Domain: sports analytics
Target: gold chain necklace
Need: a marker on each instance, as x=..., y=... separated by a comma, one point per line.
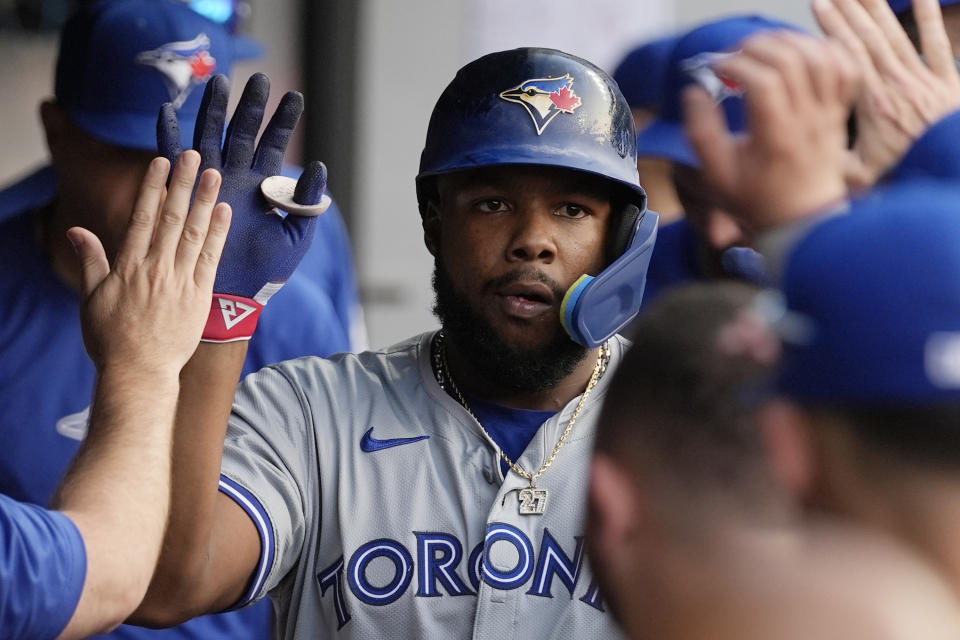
x=533, y=500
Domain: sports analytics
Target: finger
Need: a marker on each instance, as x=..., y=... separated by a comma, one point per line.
x=934, y=41
x=208, y=133
x=769, y=111
x=245, y=123
x=93, y=259
x=886, y=21
x=312, y=184
x=166, y=237
x=849, y=78
x=874, y=39
x=195, y=228
x=206, y=270
x=788, y=61
x=136, y=242
x=824, y=72
x=168, y=133
x=835, y=25
x=707, y=130
x=273, y=143
x=856, y=173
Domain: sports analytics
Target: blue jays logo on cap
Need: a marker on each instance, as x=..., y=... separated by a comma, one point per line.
x=184, y=65
x=544, y=98
x=701, y=68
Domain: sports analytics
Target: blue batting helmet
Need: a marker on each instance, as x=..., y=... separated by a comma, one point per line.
x=544, y=107
x=533, y=107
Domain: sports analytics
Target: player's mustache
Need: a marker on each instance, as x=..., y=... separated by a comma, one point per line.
x=526, y=275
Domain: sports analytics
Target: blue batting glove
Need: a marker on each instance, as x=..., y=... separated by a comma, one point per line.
x=263, y=248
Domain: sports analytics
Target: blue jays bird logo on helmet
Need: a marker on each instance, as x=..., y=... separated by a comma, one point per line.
x=544, y=98
x=184, y=65
x=701, y=68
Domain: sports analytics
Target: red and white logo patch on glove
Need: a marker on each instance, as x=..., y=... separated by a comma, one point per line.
x=231, y=318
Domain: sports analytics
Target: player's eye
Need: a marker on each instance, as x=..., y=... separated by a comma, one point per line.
x=492, y=205
x=570, y=210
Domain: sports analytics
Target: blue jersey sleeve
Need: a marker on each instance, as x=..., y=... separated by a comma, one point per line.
x=934, y=154
x=43, y=564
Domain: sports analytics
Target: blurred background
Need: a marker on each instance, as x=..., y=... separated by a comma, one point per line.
x=371, y=71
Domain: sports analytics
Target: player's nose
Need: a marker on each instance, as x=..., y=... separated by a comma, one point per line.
x=532, y=236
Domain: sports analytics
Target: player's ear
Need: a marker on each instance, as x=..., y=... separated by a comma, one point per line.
x=431, y=227
x=786, y=435
x=56, y=126
x=614, y=505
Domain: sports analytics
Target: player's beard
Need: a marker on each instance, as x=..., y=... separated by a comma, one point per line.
x=524, y=370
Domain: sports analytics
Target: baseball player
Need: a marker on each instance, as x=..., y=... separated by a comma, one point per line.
x=869, y=374
x=692, y=531
x=437, y=487
x=119, y=61
x=83, y=569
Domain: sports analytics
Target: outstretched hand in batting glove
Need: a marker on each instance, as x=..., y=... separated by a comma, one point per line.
x=263, y=248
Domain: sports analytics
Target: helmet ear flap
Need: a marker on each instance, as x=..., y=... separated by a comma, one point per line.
x=621, y=232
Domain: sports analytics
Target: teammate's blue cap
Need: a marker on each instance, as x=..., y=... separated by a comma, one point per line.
x=121, y=59
x=690, y=61
x=642, y=73
x=878, y=292
x=899, y=6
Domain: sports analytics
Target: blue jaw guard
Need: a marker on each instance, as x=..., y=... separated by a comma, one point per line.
x=596, y=307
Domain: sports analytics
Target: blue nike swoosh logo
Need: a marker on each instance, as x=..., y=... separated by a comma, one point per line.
x=369, y=444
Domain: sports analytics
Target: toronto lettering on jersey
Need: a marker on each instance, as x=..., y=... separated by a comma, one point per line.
x=438, y=559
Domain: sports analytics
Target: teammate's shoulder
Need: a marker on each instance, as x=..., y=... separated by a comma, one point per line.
x=35, y=190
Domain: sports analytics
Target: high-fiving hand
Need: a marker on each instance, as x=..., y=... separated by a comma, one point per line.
x=147, y=311
x=903, y=94
x=791, y=162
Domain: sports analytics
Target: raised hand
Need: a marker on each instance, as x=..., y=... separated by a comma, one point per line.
x=146, y=313
x=264, y=248
x=903, y=94
x=792, y=160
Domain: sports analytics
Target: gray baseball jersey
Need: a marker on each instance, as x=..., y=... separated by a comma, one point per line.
x=383, y=513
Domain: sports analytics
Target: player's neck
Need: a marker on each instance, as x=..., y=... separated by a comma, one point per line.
x=472, y=382
x=704, y=587
x=927, y=513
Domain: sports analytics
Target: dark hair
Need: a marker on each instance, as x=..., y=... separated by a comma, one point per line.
x=681, y=408
x=928, y=436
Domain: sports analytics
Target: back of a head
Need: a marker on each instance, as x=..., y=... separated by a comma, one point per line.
x=878, y=289
x=641, y=73
x=681, y=408
x=120, y=60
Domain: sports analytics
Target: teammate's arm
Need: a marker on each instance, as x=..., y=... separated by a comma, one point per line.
x=212, y=547
x=142, y=319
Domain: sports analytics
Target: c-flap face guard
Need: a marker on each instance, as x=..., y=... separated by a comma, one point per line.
x=597, y=307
